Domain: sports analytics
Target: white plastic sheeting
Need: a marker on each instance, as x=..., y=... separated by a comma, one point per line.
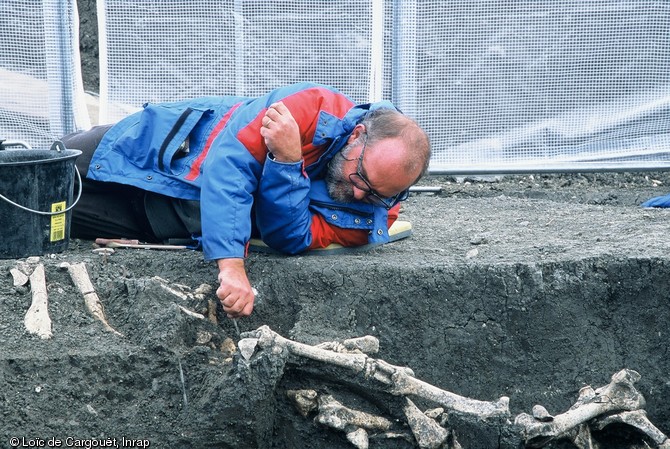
x=500, y=85
x=41, y=92
x=154, y=50
x=507, y=86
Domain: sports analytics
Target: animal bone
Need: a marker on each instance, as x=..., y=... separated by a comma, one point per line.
x=83, y=283
x=618, y=395
x=211, y=311
x=333, y=414
x=175, y=289
x=582, y=438
x=19, y=278
x=304, y=400
x=37, y=320
x=359, y=438
x=247, y=347
x=189, y=312
x=366, y=345
x=427, y=432
x=404, y=385
x=400, y=380
x=637, y=419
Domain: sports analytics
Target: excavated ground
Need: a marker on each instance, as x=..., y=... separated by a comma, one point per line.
x=530, y=287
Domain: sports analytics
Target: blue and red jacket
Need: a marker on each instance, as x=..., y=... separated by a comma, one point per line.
x=210, y=149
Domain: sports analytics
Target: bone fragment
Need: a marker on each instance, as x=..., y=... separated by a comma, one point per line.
x=228, y=347
x=637, y=419
x=359, y=438
x=582, y=438
x=434, y=413
x=19, y=278
x=37, y=320
x=619, y=395
x=103, y=251
x=428, y=434
x=247, y=347
x=189, y=312
x=305, y=401
x=333, y=414
x=80, y=278
x=366, y=345
x=202, y=290
x=203, y=337
x=541, y=414
x=173, y=291
x=400, y=380
x=211, y=311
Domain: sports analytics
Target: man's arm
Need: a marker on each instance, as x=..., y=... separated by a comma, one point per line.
x=233, y=168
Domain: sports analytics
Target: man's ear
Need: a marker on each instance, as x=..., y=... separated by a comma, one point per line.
x=358, y=131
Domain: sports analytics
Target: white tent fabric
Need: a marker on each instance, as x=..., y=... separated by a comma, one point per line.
x=41, y=90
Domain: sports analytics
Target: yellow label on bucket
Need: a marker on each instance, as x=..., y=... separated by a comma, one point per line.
x=57, y=222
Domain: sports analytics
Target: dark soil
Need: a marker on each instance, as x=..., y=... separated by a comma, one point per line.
x=529, y=287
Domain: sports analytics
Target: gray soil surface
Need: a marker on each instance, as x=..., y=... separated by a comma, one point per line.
x=530, y=287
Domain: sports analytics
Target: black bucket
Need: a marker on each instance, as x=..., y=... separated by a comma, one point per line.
x=36, y=199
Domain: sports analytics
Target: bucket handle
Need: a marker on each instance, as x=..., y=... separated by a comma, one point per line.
x=58, y=146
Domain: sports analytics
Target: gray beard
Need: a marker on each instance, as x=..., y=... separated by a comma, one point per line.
x=339, y=187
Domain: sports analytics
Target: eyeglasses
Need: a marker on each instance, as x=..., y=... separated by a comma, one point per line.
x=359, y=181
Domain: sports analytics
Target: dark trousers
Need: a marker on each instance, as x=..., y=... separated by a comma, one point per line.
x=112, y=210
x=105, y=209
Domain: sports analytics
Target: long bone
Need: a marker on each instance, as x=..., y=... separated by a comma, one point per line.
x=399, y=379
x=354, y=422
x=619, y=395
x=333, y=414
x=37, y=320
x=639, y=420
x=82, y=281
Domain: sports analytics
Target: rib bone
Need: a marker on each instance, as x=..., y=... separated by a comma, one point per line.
x=400, y=380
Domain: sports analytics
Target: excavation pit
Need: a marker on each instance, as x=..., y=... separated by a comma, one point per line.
x=530, y=288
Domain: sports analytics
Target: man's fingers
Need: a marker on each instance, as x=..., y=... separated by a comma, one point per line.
x=277, y=111
x=236, y=304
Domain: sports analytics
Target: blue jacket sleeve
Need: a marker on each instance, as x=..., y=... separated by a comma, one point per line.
x=284, y=219
x=230, y=177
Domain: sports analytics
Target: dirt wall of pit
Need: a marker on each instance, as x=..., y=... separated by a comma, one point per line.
x=544, y=307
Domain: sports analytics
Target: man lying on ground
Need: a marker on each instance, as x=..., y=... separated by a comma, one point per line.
x=301, y=167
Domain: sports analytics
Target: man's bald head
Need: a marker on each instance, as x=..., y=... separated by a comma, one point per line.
x=385, y=123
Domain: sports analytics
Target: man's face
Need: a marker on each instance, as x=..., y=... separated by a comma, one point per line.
x=337, y=180
x=373, y=176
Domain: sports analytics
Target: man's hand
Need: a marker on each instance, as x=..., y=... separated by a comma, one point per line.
x=281, y=133
x=234, y=292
